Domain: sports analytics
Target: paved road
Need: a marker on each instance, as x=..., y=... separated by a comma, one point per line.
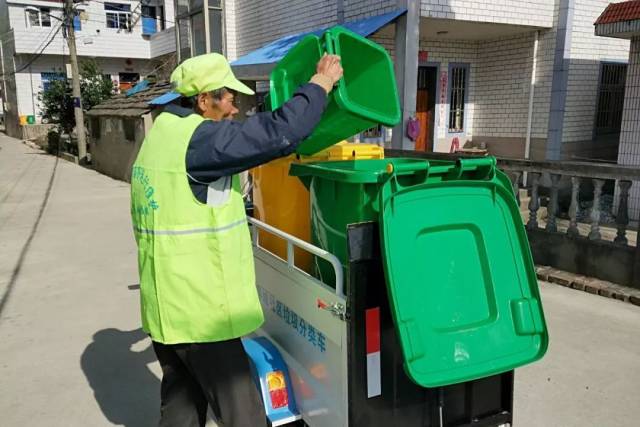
x=72, y=353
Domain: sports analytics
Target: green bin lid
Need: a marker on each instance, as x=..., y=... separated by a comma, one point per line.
x=352, y=107
x=461, y=280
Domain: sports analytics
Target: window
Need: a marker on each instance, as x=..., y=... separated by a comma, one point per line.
x=610, y=98
x=118, y=15
x=95, y=128
x=199, y=27
x=47, y=78
x=184, y=39
x=215, y=29
x=39, y=18
x=77, y=22
x=149, y=23
x=128, y=80
x=457, y=96
x=129, y=128
x=163, y=18
x=198, y=39
x=182, y=7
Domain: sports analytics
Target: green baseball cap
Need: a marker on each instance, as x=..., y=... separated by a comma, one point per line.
x=205, y=73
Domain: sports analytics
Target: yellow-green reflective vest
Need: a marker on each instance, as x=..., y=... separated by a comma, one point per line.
x=197, y=280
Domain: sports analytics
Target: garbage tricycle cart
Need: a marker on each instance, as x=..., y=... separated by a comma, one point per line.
x=428, y=299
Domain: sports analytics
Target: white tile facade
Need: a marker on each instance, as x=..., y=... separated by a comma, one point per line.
x=116, y=51
x=587, y=52
x=503, y=78
x=537, y=13
x=358, y=9
x=258, y=23
x=629, y=150
x=230, y=30
x=94, y=39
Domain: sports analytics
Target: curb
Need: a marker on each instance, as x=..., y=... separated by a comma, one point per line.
x=62, y=155
x=589, y=285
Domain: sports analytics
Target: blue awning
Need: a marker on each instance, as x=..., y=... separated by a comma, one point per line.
x=277, y=49
x=165, y=99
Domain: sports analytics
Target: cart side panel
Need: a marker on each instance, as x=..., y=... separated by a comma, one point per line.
x=312, y=341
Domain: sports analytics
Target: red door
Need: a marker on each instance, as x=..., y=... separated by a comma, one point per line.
x=426, y=106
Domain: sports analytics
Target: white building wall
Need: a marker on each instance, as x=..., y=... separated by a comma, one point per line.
x=230, y=33
x=587, y=53
x=537, y=13
x=359, y=9
x=441, y=54
x=503, y=77
x=29, y=81
x=629, y=151
x=445, y=53
x=162, y=43
x=542, y=85
x=498, y=91
x=258, y=23
x=94, y=39
x=169, y=13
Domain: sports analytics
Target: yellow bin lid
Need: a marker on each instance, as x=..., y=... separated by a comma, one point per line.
x=346, y=151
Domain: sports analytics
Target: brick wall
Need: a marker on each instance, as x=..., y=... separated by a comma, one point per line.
x=587, y=52
x=519, y=12
x=629, y=151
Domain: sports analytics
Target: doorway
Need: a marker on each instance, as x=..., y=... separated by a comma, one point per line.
x=128, y=80
x=426, y=106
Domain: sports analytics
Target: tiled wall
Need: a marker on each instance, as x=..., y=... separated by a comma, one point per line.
x=260, y=22
x=587, y=52
x=518, y=12
x=629, y=151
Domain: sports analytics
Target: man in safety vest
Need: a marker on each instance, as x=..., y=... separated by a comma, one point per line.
x=197, y=284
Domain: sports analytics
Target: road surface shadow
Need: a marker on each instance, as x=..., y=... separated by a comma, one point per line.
x=126, y=390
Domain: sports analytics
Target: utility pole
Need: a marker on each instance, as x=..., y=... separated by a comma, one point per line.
x=69, y=15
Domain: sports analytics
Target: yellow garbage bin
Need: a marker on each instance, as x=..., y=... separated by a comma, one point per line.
x=283, y=202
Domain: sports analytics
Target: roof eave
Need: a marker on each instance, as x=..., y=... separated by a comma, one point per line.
x=620, y=30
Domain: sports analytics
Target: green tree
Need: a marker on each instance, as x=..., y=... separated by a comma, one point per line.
x=57, y=101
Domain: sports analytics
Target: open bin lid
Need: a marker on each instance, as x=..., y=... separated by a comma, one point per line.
x=461, y=280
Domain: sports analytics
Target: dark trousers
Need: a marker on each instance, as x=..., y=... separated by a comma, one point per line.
x=215, y=374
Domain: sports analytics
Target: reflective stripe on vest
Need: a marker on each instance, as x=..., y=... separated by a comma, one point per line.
x=193, y=231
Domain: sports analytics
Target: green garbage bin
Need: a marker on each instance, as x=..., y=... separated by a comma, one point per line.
x=366, y=96
x=459, y=272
